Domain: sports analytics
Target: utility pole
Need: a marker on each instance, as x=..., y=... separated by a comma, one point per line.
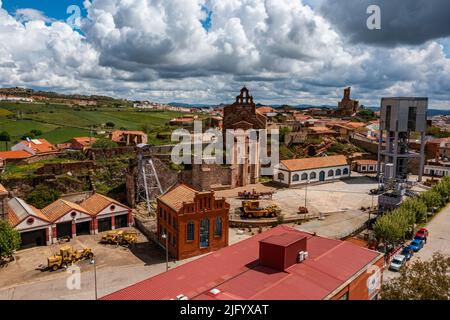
x=95, y=277
x=164, y=236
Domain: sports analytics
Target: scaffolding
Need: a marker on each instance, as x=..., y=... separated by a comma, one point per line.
x=148, y=184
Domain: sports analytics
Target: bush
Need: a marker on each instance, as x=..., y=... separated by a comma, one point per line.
x=9, y=240
x=104, y=144
x=42, y=196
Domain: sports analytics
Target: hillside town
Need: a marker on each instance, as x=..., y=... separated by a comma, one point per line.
x=224, y=159
x=339, y=174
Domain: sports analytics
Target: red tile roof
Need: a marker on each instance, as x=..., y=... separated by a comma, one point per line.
x=366, y=162
x=21, y=154
x=236, y=272
x=98, y=202
x=84, y=141
x=40, y=145
x=175, y=197
x=314, y=163
x=60, y=208
x=3, y=190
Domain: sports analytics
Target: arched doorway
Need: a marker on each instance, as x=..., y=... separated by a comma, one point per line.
x=322, y=175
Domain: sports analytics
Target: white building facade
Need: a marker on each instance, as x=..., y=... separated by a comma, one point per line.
x=296, y=172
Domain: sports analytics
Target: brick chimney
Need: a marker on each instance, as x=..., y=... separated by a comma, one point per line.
x=282, y=251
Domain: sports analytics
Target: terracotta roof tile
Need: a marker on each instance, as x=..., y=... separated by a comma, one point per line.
x=19, y=210
x=97, y=202
x=85, y=141
x=3, y=190
x=175, y=197
x=60, y=208
x=20, y=154
x=314, y=163
x=367, y=162
x=40, y=145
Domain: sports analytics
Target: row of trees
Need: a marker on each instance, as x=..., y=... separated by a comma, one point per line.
x=400, y=224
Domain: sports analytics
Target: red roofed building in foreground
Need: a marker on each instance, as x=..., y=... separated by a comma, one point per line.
x=280, y=264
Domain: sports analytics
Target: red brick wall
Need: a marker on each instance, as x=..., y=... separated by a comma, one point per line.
x=192, y=212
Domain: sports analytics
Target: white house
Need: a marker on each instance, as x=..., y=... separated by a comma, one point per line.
x=366, y=166
x=300, y=171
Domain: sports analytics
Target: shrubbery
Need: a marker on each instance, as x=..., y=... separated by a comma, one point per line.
x=397, y=225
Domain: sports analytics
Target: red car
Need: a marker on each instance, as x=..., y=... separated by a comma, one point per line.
x=422, y=234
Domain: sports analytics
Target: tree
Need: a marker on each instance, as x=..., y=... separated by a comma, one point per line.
x=9, y=240
x=110, y=124
x=422, y=280
x=104, y=144
x=418, y=207
x=432, y=199
x=4, y=136
x=42, y=196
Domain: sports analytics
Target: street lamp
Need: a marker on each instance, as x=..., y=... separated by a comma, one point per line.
x=95, y=277
x=164, y=236
x=306, y=193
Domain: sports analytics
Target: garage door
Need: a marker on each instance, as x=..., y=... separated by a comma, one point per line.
x=104, y=224
x=33, y=239
x=122, y=221
x=64, y=230
x=84, y=228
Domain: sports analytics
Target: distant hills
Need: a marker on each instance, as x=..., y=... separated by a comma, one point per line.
x=54, y=97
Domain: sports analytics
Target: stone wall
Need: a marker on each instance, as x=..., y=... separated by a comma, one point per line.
x=94, y=154
x=208, y=177
x=369, y=146
x=63, y=168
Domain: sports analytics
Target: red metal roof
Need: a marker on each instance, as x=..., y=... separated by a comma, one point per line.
x=236, y=272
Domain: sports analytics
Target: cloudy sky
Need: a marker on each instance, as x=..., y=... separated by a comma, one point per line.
x=203, y=51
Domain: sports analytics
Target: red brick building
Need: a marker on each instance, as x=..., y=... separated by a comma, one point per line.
x=195, y=222
x=280, y=264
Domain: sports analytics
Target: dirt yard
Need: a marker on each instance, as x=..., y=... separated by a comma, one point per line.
x=340, y=196
x=24, y=268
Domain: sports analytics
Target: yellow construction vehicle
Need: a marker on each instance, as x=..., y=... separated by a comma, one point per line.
x=67, y=256
x=119, y=237
x=252, y=209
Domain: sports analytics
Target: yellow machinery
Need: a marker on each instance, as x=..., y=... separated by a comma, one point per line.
x=252, y=209
x=68, y=256
x=120, y=237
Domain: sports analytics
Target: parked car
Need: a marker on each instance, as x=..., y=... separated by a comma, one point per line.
x=423, y=233
x=397, y=262
x=408, y=252
x=416, y=245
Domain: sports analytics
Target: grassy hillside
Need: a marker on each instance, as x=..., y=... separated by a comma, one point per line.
x=60, y=123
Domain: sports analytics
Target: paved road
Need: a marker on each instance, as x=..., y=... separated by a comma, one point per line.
x=439, y=240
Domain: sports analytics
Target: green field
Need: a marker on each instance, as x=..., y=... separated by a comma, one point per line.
x=60, y=123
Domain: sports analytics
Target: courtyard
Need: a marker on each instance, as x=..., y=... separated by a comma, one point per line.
x=321, y=199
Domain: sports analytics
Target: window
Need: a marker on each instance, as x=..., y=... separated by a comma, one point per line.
x=304, y=177
x=412, y=115
x=190, y=231
x=174, y=223
x=344, y=296
x=174, y=243
x=345, y=172
x=370, y=168
x=388, y=118
x=331, y=173
x=218, y=227
x=204, y=233
x=363, y=168
x=313, y=176
x=295, y=177
x=160, y=212
x=165, y=215
x=281, y=176
x=338, y=172
x=170, y=219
